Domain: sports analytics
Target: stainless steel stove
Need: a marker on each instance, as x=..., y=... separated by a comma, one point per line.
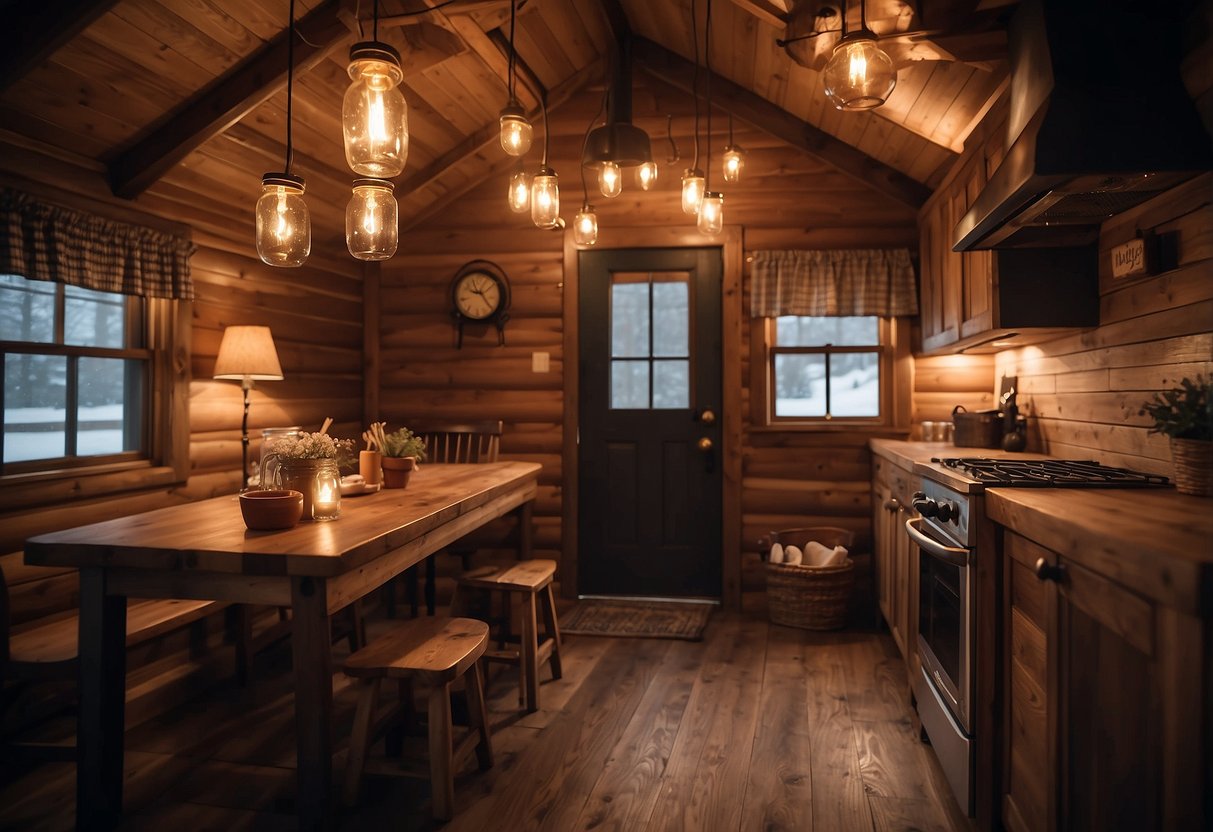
x=950, y=509
x=1048, y=473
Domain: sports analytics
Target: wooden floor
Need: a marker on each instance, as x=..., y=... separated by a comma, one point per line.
x=757, y=727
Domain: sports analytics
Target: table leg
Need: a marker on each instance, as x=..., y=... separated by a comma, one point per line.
x=313, y=667
x=526, y=530
x=102, y=692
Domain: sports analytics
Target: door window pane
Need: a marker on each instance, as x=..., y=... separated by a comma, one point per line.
x=800, y=385
x=671, y=384
x=854, y=384
x=805, y=331
x=27, y=309
x=108, y=414
x=94, y=319
x=35, y=407
x=629, y=385
x=630, y=320
x=671, y=321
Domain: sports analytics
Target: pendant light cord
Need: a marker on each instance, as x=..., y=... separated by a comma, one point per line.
x=707, y=59
x=585, y=191
x=290, y=84
x=695, y=81
x=543, y=101
x=375, y=30
x=509, y=78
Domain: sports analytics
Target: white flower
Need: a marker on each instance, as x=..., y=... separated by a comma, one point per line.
x=312, y=446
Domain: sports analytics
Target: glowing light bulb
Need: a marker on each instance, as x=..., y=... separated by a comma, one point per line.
x=692, y=190
x=520, y=192
x=284, y=228
x=610, y=182
x=545, y=199
x=711, y=213
x=371, y=223
x=374, y=114
x=516, y=131
x=859, y=75
x=585, y=226
x=646, y=175
x=734, y=161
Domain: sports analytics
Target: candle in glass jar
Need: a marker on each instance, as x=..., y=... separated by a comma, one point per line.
x=327, y=500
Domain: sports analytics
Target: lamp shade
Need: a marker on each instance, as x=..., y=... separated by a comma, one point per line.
x=248, y=352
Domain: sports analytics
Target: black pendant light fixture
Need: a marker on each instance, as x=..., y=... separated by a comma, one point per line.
x=618, y=143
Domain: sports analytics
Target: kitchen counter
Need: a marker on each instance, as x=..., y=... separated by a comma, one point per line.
x=1153, y=540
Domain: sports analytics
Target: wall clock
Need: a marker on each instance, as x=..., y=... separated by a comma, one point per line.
x=480, y=293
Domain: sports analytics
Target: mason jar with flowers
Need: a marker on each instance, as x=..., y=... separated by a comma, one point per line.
x=308, y=463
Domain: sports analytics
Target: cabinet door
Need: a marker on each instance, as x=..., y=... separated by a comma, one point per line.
x=978, y=293
x=1028, y=753
x=883, y=516
x=939, y=307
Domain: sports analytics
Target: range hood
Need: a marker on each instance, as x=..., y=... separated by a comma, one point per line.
x=1099, y=122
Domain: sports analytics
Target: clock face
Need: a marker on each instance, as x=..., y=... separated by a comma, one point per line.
x=477, y=296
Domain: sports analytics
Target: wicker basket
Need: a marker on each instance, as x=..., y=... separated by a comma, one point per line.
x=1193, y=466
x=805, y=597
x=976, y=430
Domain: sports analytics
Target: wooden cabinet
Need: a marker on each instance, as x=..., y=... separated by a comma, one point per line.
x=1104, y=723
x=973, y=298
x=895, y=561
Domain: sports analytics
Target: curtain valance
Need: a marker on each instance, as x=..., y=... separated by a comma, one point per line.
x=833, y=283
x=40, y=241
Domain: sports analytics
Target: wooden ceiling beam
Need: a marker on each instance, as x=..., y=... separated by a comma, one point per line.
x=767, y=11
x=228, y=99
x=677, y=71
x=487, y=49
x=38, y=28
x=482, y=141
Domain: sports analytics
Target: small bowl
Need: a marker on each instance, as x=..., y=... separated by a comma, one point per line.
x=266, y=510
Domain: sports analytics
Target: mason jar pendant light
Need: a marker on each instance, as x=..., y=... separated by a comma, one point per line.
x=374, y=114
x=734, y=158
x=711, y=206
x=693, y=183
x=545, y=191
x=371, y=226
x=610, y=180
x=859, y=75
x=520, y=192
x=284, y=227
x=646, y=175
x=692, y=190
x=516, y=131
x=585, y=226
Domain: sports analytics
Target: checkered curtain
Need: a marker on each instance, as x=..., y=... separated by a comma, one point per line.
x=39, y=241
x=833, y=283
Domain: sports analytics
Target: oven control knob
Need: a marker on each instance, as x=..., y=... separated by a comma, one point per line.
x=946, y=512
x=924, y=506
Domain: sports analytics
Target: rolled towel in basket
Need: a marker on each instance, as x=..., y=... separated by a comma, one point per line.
x=817, y=555
x=776, y=555
x=792, y=555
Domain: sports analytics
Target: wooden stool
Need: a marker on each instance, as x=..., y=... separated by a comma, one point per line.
x=530, y=579
x=432, y=652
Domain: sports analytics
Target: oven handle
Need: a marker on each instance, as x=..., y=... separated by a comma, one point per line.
x=948, y=554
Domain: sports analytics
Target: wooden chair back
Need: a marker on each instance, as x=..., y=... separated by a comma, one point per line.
x=459, y=442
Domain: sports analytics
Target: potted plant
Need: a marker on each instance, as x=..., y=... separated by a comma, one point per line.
x=402, y=450
x=1185, y=414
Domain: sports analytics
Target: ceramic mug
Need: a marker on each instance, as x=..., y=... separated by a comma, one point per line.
x=370, y=466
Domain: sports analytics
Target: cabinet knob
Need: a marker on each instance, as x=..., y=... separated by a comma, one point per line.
x=1046, y=571
x=893, y=505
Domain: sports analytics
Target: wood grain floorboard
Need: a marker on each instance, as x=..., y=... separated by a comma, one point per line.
x=758, y=727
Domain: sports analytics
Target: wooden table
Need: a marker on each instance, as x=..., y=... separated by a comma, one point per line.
x=202, y=550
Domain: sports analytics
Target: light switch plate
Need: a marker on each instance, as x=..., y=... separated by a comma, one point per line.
x=540, y=362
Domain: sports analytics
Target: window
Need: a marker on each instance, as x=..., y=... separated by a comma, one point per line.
x=650, y=341
x=80, y=394
x=822, y=370
x=75, y=372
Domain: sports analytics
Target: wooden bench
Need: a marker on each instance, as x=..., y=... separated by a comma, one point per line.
x=39, y=630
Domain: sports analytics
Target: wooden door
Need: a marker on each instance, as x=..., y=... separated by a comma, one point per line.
x=650, y=422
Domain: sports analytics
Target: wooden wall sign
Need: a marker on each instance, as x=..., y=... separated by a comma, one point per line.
x=1129, y=259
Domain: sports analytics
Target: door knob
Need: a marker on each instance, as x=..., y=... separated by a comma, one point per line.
x=707, y=416
x=705, y=443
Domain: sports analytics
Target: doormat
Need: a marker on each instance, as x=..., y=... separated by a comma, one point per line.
x=637, y=619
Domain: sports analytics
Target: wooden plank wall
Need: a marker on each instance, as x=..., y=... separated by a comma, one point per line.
x=1083, y=392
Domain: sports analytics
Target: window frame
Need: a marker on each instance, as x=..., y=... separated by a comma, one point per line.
x=166, y=326
x=894, y=357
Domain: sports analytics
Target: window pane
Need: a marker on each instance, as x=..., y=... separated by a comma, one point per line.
x=27, y=309
x=854, y=384
x=94, y=319
x=35, y=407
x=671, y=321
x=629, y=385
x=800, y=385
x=109, y=418
x=671, y=384
x=804, y=331
x=630, y=321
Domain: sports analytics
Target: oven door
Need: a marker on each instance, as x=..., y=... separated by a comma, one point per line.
x=945, y=619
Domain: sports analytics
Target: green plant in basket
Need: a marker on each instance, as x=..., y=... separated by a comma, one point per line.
x=403, y=442
x=1184, y=412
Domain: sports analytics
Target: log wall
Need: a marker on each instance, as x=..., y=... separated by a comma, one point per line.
x=1083, y=393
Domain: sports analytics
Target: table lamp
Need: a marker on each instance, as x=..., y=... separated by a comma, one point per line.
x=247, y=353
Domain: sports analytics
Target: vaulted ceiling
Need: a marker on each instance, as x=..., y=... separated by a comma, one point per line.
x=180, y=105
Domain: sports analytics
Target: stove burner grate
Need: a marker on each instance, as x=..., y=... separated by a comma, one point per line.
x=1049, y=473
